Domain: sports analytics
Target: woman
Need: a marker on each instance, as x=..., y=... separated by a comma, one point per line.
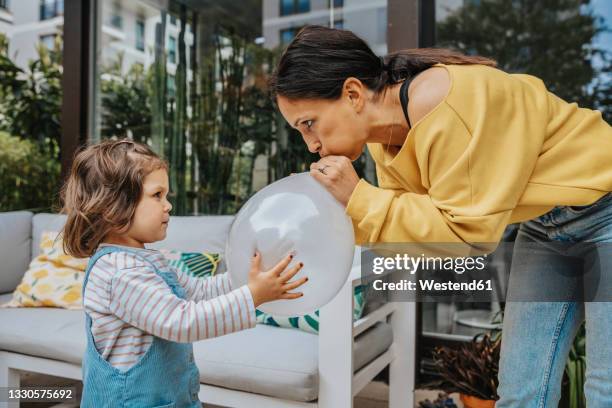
x=462, y=149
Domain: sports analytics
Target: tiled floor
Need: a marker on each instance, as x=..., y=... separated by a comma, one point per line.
x=374, y=395
x=31, y=380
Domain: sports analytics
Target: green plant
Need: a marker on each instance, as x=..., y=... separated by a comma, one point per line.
x=30, y=103
x=177, y=139
x=212, y=119
x=159, y=89
x=232, y=121
x=552, y=40
x=126, y=109
x=28, y=178
x=470, y=369
x=575, y=370
x=463, y=365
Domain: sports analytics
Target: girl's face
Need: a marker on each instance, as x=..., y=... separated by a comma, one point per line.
x=152, y=213
x=328, y=127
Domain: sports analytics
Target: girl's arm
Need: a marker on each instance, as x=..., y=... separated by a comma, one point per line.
x=142, y=298
x=199, y=289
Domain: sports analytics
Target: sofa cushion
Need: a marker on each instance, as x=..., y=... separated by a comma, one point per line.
x=198, y=264
x=310, y=322
x=58, y=334
x=53, y=278
x=196, y=233
x=241, y=361
x=41, y=223
x=189, y=234
x=15, y=247
x=276, y=361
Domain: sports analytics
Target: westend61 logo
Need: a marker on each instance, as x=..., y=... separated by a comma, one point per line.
x=480, y=272
x=412, y=264
x=427, y=272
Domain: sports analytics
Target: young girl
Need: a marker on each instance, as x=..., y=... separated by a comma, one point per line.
x=142, y=314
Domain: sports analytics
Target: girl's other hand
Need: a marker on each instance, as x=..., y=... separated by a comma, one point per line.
x=273, y=284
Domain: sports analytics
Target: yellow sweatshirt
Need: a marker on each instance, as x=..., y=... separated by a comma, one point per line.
x=498, y=149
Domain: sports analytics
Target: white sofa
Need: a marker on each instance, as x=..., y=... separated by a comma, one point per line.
x=263, y=367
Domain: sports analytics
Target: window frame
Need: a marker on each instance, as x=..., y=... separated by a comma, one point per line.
x=49, y=9
x=140, y=34
x=172, y=54
x=294, y=30
x=79, y=38
x=43, y=37
x=295, y=8
x=116, y=16
x=336, y=3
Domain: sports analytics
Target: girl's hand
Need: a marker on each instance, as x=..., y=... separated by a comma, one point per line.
x=337, y=175
x=273, y=284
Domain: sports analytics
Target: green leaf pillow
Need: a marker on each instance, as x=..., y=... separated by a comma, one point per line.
x=309, y=322
x=199, y=264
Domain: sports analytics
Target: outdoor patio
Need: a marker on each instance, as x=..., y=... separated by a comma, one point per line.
x=189, y=79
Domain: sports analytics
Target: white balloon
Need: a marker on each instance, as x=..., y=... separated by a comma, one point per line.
x=295, y=214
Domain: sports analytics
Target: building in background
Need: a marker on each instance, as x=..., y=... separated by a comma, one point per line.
x=32, y=22
x=6, y=17
x=282, y=19
x=127, y=29
x=192, y=74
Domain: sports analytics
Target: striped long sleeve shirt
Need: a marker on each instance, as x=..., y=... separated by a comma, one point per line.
x=129, y=304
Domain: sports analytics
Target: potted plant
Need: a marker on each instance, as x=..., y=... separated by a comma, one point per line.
x=471, y=370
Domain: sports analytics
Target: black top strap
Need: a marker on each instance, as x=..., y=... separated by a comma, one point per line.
x=403, y=93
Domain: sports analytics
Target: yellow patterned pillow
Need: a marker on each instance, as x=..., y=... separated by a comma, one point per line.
x=54, y=279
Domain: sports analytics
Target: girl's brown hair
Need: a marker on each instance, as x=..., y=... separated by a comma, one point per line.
x=103, y=190
x=318, y=61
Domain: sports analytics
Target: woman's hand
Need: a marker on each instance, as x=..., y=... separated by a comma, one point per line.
x=266, y=286
x=337, y=175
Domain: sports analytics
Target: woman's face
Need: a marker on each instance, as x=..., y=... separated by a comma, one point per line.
x=328, y=127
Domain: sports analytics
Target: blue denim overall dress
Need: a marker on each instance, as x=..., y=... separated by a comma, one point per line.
x=165, y=376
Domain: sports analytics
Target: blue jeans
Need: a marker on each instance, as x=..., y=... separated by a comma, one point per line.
x=537, y=336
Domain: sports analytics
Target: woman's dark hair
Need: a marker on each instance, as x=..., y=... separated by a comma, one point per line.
x=319, y=59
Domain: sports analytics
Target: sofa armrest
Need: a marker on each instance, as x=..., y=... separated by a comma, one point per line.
x=337, y=331
x=15, y=247
x=336, y=349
